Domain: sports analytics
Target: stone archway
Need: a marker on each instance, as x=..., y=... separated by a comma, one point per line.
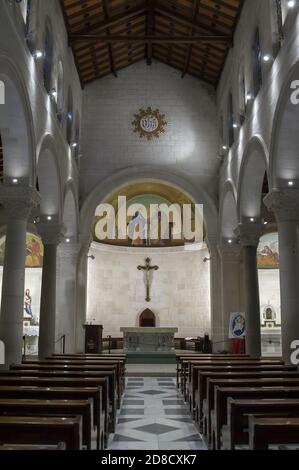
x=147, y=319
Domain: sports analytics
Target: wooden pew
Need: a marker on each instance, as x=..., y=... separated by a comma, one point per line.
x=191, y=365
x=266, y=431
x=44, y=431
x=189, y=357
x=238, y=383
x=236, y=431
x=54, y=408
x=14, y=447
x=74, y=378
x=257, y=372
x=111, y=375
x=100, y=383
x=63, y=393
x=219, y=414
x=88, y=365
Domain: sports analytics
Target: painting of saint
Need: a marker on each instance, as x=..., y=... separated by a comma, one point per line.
x=137, y=229
x=268, y=252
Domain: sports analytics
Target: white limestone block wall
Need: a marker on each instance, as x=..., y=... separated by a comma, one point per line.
x=180, y=290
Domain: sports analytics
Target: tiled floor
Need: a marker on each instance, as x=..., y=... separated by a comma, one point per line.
x=154, y=417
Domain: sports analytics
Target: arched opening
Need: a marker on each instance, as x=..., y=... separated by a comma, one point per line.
x=122, y=281
x=60, y=91
x=257, y=72
x=231, y=120
x=48, y=59
x=147, y=319
x=229, y=218
x=17, y=134
x=69, y=118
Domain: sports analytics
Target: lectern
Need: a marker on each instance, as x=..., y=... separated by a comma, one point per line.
x=93, y=339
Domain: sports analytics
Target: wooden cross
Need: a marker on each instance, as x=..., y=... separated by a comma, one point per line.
x=148, y=269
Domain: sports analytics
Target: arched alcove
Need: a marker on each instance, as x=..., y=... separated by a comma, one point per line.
x=147, y=319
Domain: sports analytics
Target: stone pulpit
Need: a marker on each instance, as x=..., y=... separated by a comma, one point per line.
x=148, y=339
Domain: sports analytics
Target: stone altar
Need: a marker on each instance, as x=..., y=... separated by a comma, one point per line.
x=148, y=339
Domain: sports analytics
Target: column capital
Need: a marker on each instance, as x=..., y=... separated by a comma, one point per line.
x=18, y=201
x=51, y=234
x=230, y=253
x=69, y=251
x=284, y=203
x=249, y=234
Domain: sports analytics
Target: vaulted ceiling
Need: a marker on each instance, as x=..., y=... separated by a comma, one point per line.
x=193, y=36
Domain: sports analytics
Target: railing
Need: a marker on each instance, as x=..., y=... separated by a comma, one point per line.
x=61, y=340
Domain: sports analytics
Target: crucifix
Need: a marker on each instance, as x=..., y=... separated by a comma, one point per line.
x=148, y=269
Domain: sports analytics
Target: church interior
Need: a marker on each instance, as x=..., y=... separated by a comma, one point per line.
x=149, y=225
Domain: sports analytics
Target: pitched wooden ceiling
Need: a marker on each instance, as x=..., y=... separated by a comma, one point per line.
x=193, y=36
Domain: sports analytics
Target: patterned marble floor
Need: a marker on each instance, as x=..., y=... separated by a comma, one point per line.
x=154, y=417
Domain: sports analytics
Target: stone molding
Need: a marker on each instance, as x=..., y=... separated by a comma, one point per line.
x=51, y=234
x=284, y=203
x=19, y=201
x=249, y=234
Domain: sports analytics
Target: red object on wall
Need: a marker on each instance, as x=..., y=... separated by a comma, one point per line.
x=237, y=346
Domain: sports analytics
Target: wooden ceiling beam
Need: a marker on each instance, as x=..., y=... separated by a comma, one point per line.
x=147, y=39
x=196, y=4
x=121, y=18
x=150, y=31
x=110, y=50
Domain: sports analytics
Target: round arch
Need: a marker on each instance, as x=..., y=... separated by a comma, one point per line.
x=48, y=178
x=146, y=173
x=16, y=125
x=284, y=162
x=70, y=215
x=251, y=177
x=228, y=211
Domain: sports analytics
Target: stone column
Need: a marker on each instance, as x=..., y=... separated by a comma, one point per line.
x=67, y=294
x=81, y=296
x=51, y=235
x=217, y=330
x=249, y=235
x=18, y=203
x=230, y=287
x=285, y=205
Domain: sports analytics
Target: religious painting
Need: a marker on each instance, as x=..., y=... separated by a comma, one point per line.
x=237, y=325
x=268, y=252
x=34, y=251
x=148, y=214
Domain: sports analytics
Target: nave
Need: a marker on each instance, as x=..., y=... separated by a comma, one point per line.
x=153, y=416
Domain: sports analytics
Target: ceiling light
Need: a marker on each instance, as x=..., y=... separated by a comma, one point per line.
x=235, y=125
x=249, y=97
x=291, y=3
x=291, y=183
x=230, y=241
x=15, y=180
x=38, y=55
x=266, y=58
x=68, y=240
x=74, y=144
x=224, y=147
x=251, y=219
x=49, y=217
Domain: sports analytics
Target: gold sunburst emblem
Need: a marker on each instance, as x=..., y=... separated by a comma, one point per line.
x=149, y=123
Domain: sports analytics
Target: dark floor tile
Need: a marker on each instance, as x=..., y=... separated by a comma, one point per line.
x=131, y=411
x=176, y=411
x=156, y=428
x=133, y=402
x=120, y=438
x=173, y=402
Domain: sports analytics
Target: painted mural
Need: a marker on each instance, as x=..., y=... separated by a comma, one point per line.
x=268, y=252
x=34, y=251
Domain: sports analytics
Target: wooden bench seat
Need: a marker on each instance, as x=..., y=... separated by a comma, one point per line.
x=266, y=431
x=63, y=393
x=108, y=397
x=203, y=376
x=219, y=414
x=236, y=431
x=27, y=407
x=212, y=383
x=41, y=430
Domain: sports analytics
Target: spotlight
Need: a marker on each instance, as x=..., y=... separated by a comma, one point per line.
x=291, y=183
x=235, y=125
x=266, y=58
x=53, y=93
x=249, y=97
x=74, y=145
x=229, y=241
x=38, y=55
x=291, y=3
x=224, y=147
x=49, y=217
x=68, y=240
x=15, y=180
x=251, y=219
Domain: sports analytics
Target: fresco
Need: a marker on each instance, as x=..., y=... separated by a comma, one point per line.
x=268, y=252
x=34, y=251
